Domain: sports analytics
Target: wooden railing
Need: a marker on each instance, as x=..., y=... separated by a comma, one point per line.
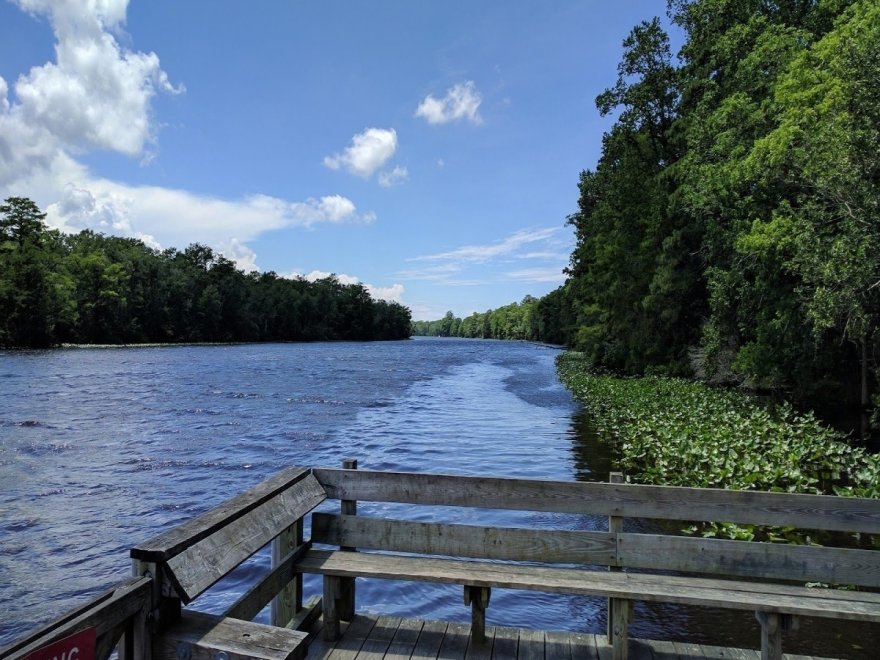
x=144, y=617
x=766, y=578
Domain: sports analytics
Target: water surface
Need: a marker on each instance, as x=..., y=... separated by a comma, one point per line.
x=102, y=449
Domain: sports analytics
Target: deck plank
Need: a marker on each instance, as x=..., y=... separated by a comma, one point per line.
x=455, y=642
x=370, y=637
x=430, y=640
x=506, y=643
x=664, y=651
x=404, y=643
x=557, y=645
x=481, y=651
x=352, y=639
x=585, y=646
x=379, y=639
x=531, y=644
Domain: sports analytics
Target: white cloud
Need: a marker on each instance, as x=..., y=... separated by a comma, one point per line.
x=393, y=293
x=368, y=152
x=537, y=275
x=482, y=253
x=394, y=177
x=242, y=255
x=462, y=102
x=96, y=95
x=178, y=217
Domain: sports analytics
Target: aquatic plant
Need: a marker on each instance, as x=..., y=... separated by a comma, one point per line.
x=678, y=432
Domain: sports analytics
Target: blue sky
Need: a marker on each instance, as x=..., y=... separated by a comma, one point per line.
x=429, y=150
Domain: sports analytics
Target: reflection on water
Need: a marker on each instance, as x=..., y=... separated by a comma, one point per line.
x=101, y=449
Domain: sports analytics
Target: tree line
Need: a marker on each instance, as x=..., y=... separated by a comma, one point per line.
x=731, y=228
x=532, y=319
x=95, y=289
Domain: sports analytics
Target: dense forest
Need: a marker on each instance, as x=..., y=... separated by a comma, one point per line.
x=90, y=288
x=731, y=228
x=526, y=320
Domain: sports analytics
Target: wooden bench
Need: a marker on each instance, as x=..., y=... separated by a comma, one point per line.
x=766, y=578
x=144, y=617
x=187, y=560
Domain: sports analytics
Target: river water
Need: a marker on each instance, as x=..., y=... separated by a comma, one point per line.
x=103, y=448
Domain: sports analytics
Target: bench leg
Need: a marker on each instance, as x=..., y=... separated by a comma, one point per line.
x=621, y=613
x=478, y=599
x=771, y=635
x=330, y=604
x=346, y=598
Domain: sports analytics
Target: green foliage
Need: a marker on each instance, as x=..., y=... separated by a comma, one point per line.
x=730, y=228
x=90, y=288
x=677, y=432
x=531, y=320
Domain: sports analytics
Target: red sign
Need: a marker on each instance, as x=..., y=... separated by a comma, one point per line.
x=80, y=646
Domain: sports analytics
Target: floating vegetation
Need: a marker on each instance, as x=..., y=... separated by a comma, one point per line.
x=677, y=432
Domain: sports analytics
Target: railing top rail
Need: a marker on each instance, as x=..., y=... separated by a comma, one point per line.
x=104, y=613
x=808, y=512
x=181, y=537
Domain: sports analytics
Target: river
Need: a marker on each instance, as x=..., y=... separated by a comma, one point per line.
x=103, y=448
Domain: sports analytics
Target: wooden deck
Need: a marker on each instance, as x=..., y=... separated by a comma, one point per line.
x=372, y=637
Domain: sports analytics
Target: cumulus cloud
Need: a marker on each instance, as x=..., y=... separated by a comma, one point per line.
x=393, y=293
x=394, y=177
x=96, y=95
x=368, y=152
x=242, y=255
x=462, y=102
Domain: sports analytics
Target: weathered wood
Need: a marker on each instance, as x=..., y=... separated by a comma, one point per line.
x=552, y=546
x=330, y=607
x=404, y=642
x=619, y=637
x=380, y=637
x=771, y=635
x=190, y=532
x=478, y=599
x=106, y=614
x=202, y=636
x=585, y=646
x=531, y=644
x=505, y=643
x=430, y=640
x=730, y=594
x=253, y=601
x=481, y=650
x=288, y=599
x=846, y=514
x=308, y=614
x=557, y=645
x=615, y=527
x=199, y=566
x=750, y=559
x=347, y=587
x=455, y=642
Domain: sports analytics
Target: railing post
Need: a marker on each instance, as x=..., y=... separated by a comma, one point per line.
x=347, y=586
x=618, y=609
x=287, y=604
x=162, y=610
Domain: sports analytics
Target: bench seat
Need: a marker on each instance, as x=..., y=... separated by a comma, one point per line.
x=730, y=594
